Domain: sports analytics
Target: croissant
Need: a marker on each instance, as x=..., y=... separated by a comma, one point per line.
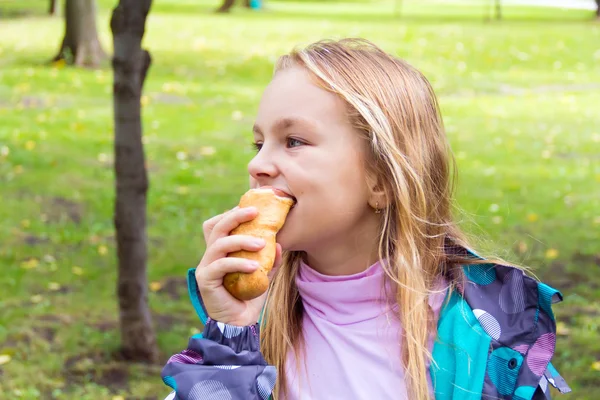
x=273, y=206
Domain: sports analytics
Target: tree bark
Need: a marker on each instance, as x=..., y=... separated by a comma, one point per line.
x=498, y=9
x=130, y=65
x=53, y=7
x=80, y=45
x=598, y=9
x=226, y=6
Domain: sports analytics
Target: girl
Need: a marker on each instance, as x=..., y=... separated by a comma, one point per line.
x=377, y=295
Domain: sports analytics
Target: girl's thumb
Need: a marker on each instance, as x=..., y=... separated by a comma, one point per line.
x=278, y=260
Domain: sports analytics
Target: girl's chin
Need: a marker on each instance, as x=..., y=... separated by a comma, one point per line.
x=289, y=237
x=287, y=243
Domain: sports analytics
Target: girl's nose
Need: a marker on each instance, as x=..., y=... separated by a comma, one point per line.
x=262, y=165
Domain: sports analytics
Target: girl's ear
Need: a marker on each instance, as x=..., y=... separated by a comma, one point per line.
x=378, y=198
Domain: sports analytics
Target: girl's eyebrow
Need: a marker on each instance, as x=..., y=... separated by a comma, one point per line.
x=288, y=122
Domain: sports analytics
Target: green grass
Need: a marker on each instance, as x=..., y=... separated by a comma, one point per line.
x=520, y=100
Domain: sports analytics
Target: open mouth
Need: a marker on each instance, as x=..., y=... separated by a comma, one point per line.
x=281, y=193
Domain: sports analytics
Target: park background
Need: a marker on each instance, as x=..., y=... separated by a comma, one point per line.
x=519, y=96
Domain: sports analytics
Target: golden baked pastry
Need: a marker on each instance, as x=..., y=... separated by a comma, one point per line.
x=273, y=206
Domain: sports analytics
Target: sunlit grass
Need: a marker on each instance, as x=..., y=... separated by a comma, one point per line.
x=520, y=105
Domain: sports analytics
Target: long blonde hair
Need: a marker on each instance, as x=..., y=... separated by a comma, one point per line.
x=394, y=108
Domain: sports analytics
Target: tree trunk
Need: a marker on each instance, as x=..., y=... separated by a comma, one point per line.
x=247, y=3
x=53, y=9
x=598, y=9
x=498, y=9
x=81, y=46
x=130, y=65
x=226, y=6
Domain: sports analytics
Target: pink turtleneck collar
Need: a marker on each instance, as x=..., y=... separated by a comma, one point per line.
x=346, y=299
x=352, y=342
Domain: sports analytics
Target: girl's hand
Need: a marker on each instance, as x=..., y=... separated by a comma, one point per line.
x=220, y=305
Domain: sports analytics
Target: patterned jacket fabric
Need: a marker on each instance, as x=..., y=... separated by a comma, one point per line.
x=222, y=363
x=496, y=338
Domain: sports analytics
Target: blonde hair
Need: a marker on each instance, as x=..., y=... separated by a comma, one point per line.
x=394, y=108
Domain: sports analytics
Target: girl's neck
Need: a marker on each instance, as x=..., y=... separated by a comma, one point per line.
x=346, y=256
x=347, y=264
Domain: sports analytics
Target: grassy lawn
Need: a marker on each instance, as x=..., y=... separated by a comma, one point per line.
x=520, y=100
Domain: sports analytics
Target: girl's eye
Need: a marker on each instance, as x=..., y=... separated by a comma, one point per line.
x=291, y=142
x=257, y=146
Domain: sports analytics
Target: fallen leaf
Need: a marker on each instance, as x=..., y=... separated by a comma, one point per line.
x=155, y=286
x=551, y=254
x=102, y=250
x=183, y=190
x=26, y=223
x=59, y=63
x=562, y=329
x=36, y=298
x=77, y=270
x=596, y=365
x=207, y=150
x=144, y=101
x=30, y=264
x=118, y=398
x=237, y=115
x=532, y=217
x=100, y=78
x=522, y=247
x=5, y=359
x=497, y=220
x=76, y=126
x=54, y=286
x=94, y=239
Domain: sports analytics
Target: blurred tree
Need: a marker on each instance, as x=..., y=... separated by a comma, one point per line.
x=598, y=9
x=498, y=9
x=130, y=66
x=53, y=9
x=495, y=9
x=228, y=4
x=80, y=45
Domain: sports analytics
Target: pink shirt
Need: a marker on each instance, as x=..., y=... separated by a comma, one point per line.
x=352, y=338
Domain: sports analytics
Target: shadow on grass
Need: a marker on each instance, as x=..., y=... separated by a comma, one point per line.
x=12, y=10
x=430, y=19
x=424, y=15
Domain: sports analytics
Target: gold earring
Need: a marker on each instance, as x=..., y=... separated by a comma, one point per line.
x=377, y=209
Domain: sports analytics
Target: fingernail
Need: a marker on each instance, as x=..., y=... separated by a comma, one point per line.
x=250, y=210
x=254, y=264
x=258, y=242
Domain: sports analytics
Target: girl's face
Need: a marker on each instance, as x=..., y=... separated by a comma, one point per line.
x=308, y=148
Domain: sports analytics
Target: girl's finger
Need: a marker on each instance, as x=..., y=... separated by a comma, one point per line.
x=212, y=275
x=209, y=224
x=229, y=244
x=230, y=221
